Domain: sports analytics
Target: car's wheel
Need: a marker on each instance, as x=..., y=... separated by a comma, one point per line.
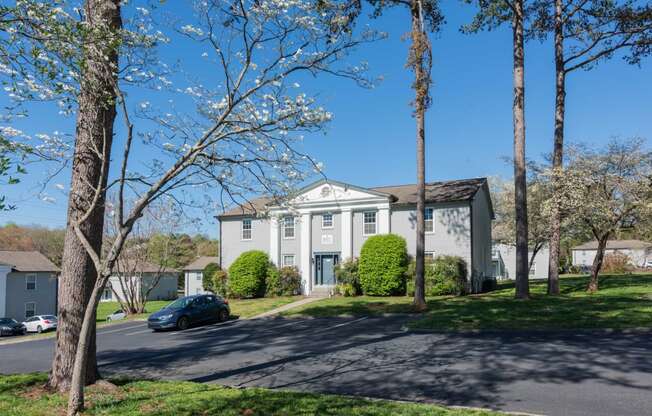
x=39, y=329
x=223, y=315
x=183, y=323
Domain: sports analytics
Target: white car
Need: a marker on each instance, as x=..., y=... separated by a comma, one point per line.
x=116, y=316
x=40, y=323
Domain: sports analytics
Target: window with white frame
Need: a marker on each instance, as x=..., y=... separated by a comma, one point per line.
x=369, y=225
x=429, y=255
x=288, y=260
x=430, y=220
x=246, y=229
x=327, y=221
x=199, y=276
x=30, y=309
x=30, y=281
x=288, y=227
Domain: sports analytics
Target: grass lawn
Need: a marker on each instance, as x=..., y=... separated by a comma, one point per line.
x=23, y=395
x=243, y=308
x=624, y=301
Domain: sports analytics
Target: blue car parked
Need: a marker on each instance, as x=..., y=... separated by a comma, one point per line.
x=190, y=310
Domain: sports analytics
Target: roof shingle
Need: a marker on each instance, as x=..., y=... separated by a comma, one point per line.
x=27, y=261
x=436, y=192
x=200, y=263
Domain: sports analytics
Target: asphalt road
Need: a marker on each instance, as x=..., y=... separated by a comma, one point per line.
x=564, y=374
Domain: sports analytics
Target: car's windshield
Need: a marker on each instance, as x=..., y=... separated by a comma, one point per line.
x=179, y=303
x=117, y=312
x=50, y=317
x=7, y=321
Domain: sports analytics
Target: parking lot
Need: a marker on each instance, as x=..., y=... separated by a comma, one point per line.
x=561, y=373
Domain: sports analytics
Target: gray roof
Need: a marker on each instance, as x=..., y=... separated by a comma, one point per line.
x=615, y=245
x=27, y=261
x=126, y=265
x=436, y=192
x=200, y=263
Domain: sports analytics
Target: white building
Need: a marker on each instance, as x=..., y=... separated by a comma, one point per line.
x=638, y=251
x=329, y=221
x=503, y=257
x=194, y=275
x=143, y=279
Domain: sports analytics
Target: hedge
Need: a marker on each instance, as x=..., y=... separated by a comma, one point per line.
x=247, y=274
x=283, y=282
x=382, y=265
x=446, y=275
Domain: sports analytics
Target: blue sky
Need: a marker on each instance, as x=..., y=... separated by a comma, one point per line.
x=469, y=126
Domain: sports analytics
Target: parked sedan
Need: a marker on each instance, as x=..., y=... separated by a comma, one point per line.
x=116, y=316
x=10, y=326
x=190, y=310
x=40, y=323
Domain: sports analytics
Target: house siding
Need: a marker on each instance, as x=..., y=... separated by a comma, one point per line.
x=231, y=232
x=194, y=282
x=165, y=289
x=481, y=234
x=358, y=236
x=45, y=294
x=585, y=257
x=318, y=244
x=289, y=245
x=508, y=256
x=451, y=234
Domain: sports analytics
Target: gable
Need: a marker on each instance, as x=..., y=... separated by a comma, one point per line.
x=328, y=191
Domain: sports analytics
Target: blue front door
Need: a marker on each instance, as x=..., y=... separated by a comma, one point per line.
x=325, y=269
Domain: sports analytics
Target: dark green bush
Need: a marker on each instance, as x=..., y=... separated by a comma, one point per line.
x=382, y=266
x=208, y=274
x=347, y=273
x=247, y=274
x=446, y=275
x=283, y=282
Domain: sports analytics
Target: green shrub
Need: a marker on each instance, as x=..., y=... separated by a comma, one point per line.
x=446, y=275
x=382, y=266
x=347, y=273
x=208, y=274
x=221, y=283
x=283, y=282
x=247, y=274
x=346, y=289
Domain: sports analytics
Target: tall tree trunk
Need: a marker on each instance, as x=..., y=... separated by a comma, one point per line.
x=421, y=85
x=558, y=151
x=597, y=264
x=94, y=134
x=520, y=183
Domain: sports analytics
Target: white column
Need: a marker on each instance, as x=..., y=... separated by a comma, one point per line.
x=383, y=221
x=306, y=253
x=347, y=233
x=274, y=238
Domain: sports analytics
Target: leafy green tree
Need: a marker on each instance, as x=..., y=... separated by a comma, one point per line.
x=586, y=32
x=208, y=277
x=382, y=266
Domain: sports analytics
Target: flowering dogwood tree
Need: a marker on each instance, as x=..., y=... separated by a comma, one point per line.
x=604, y=190
x=228, y=128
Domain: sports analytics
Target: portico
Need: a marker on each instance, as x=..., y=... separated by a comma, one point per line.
x=323, y=214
